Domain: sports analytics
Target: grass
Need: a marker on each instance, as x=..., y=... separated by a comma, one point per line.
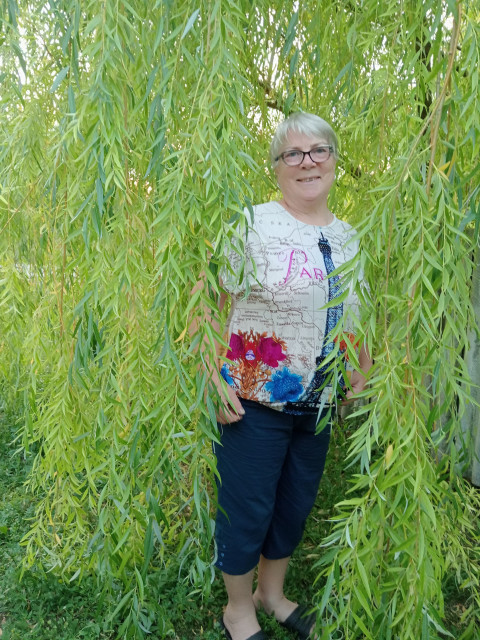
x=40, y=607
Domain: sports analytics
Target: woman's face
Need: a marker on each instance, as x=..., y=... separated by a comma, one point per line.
x=308, y=181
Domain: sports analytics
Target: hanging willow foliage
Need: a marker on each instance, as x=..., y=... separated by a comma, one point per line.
x=132, y=136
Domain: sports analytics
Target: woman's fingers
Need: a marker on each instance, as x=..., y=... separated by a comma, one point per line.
x=232, y=410
x=227, y=416
x=235, y=400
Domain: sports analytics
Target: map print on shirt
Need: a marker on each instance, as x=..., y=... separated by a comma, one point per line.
x=277, y=332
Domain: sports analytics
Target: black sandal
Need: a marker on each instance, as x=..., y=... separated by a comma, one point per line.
x=300, y=621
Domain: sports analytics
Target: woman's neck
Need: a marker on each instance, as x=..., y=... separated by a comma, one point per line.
x=310, y=212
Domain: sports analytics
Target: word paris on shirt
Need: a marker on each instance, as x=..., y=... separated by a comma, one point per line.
x=297, y=258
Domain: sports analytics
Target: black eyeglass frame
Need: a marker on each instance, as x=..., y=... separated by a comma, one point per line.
x=306, y=153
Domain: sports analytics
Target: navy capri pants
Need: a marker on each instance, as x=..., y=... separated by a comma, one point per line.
x=270, y=465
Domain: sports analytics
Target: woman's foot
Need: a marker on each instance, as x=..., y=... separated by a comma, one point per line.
x=241, y=625
x=280, y=607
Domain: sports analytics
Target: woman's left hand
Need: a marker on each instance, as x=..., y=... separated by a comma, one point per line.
x=357, y=382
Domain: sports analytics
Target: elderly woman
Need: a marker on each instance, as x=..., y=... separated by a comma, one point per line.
x=271, y=456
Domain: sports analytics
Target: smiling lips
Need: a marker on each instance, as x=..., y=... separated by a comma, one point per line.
x=311, y=179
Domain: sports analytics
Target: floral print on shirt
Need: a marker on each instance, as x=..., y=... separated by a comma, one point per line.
x=255, y=355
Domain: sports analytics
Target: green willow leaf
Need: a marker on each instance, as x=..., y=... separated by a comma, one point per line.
x=190, y=23
x=59, y=79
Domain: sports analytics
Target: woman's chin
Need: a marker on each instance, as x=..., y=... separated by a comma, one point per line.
x=309, y=194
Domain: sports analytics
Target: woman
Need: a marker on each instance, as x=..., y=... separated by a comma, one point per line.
x=271, y=459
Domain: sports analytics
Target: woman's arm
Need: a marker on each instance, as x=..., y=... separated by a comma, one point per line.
x=229, y=408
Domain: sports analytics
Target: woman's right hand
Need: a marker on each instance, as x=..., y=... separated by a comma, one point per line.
x=229, y=406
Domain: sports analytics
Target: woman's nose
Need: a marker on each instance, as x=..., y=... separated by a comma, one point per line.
x=307, y=160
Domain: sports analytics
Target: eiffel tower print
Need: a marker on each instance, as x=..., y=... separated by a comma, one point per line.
x=309, y=399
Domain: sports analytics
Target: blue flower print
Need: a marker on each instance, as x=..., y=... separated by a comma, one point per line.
x=225, y=375
x=284, y=386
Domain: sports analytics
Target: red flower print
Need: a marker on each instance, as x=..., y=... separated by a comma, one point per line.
x=254, y=355
x=237, y=347
x=270, y=352
x=343, y=343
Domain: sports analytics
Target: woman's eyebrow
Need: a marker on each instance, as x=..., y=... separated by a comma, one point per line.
x=315, y=144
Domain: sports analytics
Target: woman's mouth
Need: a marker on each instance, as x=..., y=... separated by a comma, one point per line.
x=312, y=179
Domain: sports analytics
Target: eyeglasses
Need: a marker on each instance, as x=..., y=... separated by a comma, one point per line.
x=296, y=157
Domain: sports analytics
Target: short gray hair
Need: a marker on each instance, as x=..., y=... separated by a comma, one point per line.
x=306, y=123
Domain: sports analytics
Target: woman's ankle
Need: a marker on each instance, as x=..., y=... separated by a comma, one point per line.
x=267, y=601
x=240, y=621
x=276, y=604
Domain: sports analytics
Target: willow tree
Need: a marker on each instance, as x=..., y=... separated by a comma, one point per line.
x=132, y=137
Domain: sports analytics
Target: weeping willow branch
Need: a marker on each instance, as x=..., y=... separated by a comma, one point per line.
x=446, y=84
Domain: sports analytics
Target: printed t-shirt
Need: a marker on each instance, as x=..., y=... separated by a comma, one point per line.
x=277, y=326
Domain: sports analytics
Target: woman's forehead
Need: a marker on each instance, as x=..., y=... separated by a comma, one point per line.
x=295, y=139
